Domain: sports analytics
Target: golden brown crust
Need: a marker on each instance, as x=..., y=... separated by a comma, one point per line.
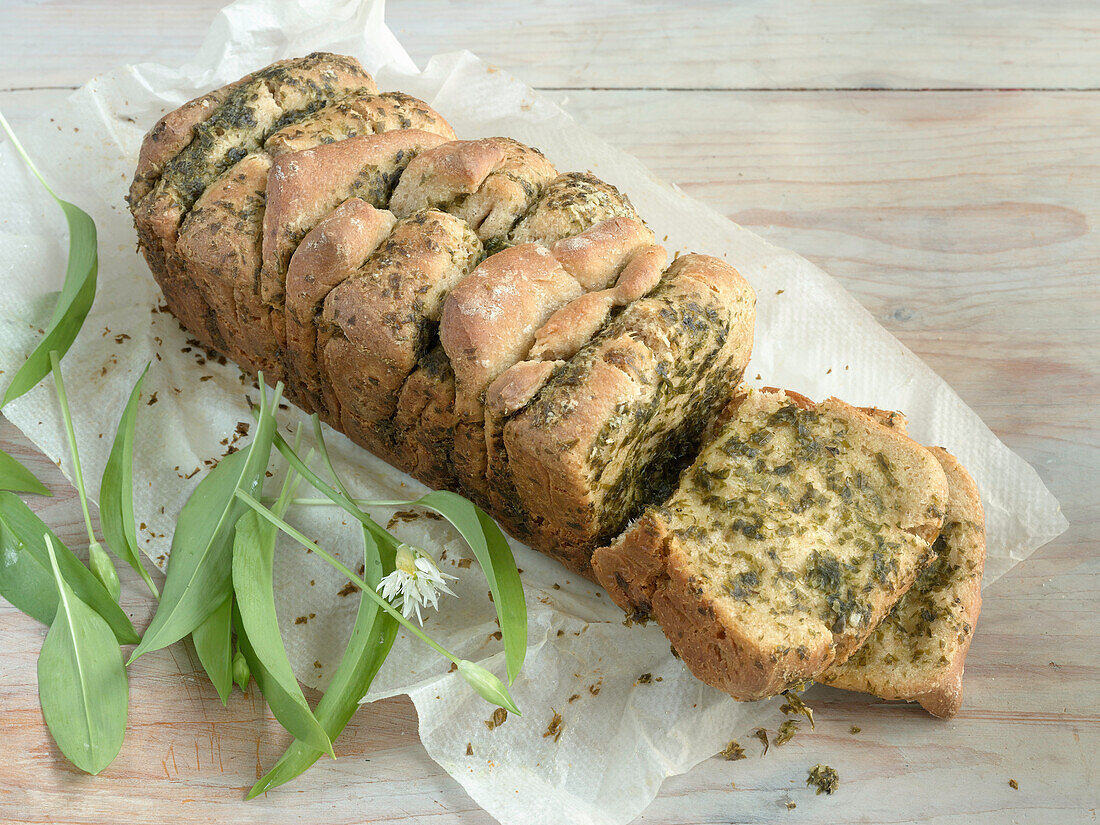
x=377, y=323
x=358, y=115
x=489, y=183
x=332, y=252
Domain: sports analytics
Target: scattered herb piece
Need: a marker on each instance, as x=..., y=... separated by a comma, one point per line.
x=794, y=704
x=82, y=683
x=762, y=735
x=733, y=751
x=645, y=679
x=555, y=728
x=77, y=292
x=499, y=717
x=854, y=729
x=824, y=778
x=18, y=479
x=786, y=732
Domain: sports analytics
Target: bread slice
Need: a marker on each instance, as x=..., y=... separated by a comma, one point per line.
x=918, y=651
x=489, y=183
x=379, y=322
x=791, y=536
x=610, y=429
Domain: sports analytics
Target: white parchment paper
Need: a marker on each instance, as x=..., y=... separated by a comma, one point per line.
x=620, y=738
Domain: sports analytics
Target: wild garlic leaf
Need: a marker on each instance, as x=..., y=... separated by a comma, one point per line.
x=82, y=682
x=116, y=491
x=372, y=636
x=77, y=293
x=18, y=479
x=200, y=565
x=214, y=645
x=497, y=563
x=26, y=577
x=254, y=593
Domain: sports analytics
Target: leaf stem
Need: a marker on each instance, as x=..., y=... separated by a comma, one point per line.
x=347, y=571
x=78, y=474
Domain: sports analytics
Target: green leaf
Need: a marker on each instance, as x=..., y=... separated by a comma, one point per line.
x=77, y=293
x=17, y=478
x=116, y=491
x=82, y=682
x=488, y=686
x=200, y=565
x=372, y=636
x=26, y=579
x=254, y=589
x=214, y=646
x=104, y=569
x=497, y=563
x=480, y=532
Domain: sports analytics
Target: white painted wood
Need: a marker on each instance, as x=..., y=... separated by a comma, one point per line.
x=623, y=43
x=965, y=221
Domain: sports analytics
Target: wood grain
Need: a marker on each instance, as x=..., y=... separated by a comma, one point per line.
x=964, y=220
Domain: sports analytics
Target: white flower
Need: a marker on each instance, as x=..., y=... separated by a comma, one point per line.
x=417, y=579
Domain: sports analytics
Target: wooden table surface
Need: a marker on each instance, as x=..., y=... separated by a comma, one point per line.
x=942, y=161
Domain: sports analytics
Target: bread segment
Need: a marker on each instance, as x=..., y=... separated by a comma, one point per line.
x=332, y=252
x=378, y=323
x=357, y=115
x=918, y=651
x=241, y=119
x=610, y=429
x=489, y=183
x=570, y=204
x=785, y=543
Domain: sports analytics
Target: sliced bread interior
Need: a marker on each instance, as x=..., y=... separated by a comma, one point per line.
x=918, y=651
x=795, y=531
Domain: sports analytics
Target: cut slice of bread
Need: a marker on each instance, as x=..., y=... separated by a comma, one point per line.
x=790, y=537
x=918, y=651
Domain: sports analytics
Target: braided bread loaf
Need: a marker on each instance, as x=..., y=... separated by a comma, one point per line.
x=493, y=327
x=459, y=308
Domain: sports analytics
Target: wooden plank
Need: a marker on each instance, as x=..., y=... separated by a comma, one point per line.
x=622, y=44
x=964, y=221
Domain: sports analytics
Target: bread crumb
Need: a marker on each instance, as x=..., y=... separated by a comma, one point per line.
x=854, y=729
x=469, y=749
x=1012, y=783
